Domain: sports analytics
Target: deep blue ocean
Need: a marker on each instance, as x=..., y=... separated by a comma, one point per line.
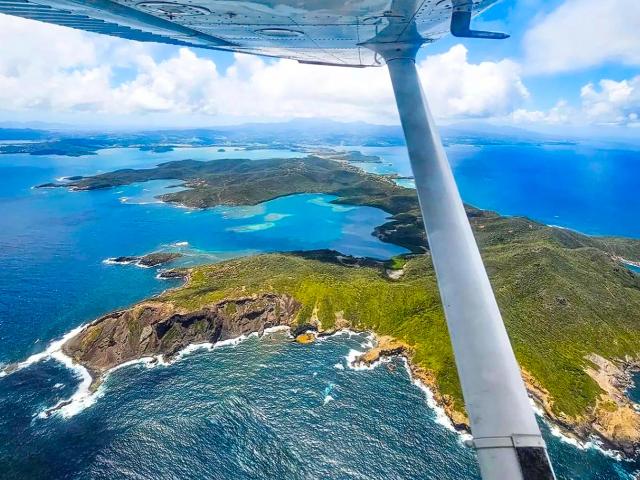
x=264, y=408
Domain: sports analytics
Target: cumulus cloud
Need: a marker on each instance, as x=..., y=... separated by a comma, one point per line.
x=457, y=88
x=560, y=114
x=584, y=33
x=609, y=102
x=57, y=69
x=612, y=102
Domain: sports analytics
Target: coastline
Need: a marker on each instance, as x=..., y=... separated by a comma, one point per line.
x=378, y=350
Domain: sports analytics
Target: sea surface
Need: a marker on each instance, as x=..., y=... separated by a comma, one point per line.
x=260, y=408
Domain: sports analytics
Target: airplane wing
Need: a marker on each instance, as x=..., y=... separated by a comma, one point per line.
x=331, y=32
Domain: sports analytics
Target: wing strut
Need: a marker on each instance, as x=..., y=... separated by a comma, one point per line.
x=506, y=435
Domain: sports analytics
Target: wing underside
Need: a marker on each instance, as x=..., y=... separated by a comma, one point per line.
x=313, y=31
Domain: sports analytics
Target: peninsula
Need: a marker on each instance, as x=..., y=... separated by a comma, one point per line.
x=571, y=307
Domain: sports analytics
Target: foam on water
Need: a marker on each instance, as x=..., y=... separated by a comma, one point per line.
x=84, y=398
x=557, y=432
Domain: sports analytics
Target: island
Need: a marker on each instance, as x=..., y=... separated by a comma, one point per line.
x=570, y=305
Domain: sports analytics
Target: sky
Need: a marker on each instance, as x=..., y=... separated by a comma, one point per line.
x=569, y=64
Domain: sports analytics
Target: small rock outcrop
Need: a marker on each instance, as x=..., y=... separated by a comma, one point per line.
x=154, y=259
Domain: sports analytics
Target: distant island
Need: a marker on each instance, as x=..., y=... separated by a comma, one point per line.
x=306, y=132
x=571, y=307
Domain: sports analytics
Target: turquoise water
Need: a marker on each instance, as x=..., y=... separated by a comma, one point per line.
x=265, y=408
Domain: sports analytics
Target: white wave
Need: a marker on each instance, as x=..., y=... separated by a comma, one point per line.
x=147, y=362
x=81, y=399
x=353, y=364
x=441, y=417
x=112, y=261
x=194, y=347
x=135, y=261
x=557, y=432
x=84, y=398
x=53, y=347
x=339, y=366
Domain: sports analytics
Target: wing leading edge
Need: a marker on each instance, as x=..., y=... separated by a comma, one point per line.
x=312, y=31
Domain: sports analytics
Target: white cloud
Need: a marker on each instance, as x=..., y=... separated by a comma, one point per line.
x=584, y=33
x=560, y=114
x=609, y=103
x=612, y=102
x=457, y=88
x=50, y=68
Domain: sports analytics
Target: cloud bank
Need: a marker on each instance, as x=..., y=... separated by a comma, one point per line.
x=54, y=68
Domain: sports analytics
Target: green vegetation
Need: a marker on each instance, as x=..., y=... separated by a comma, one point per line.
x=559, y=303
x=563, y=295
x=249, y=182
x=397, y=263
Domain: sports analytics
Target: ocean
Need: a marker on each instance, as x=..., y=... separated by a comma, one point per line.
x=260, y=408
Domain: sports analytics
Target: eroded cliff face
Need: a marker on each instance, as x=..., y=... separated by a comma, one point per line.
x=388, y=347
x=157, y=328
x=154, y=328
x=614, y=419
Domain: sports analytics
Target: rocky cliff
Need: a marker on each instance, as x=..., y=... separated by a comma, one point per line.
x=155, y=328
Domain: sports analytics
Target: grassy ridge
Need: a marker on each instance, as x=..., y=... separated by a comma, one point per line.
x=559, y=304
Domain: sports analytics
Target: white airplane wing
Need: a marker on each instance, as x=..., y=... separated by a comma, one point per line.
x=319, y=31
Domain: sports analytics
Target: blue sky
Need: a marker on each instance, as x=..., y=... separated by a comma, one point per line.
x=569, y=64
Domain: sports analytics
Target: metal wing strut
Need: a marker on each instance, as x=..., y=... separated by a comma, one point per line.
x=505, y=432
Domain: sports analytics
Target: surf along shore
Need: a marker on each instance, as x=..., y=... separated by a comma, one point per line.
x=571, y=308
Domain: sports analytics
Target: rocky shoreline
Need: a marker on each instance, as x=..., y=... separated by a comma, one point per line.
x=159, y=330
x=614, y=422
x=149, y=260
